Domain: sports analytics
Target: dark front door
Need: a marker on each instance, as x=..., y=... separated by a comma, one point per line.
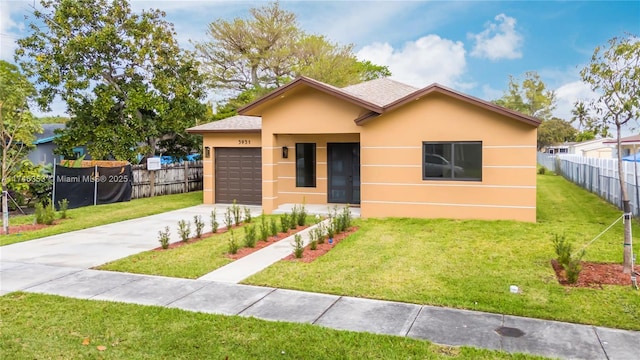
x=343, y=161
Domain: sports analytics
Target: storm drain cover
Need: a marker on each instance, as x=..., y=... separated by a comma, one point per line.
x=509, y=331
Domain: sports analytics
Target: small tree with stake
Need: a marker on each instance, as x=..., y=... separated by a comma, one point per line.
x=614, y=73
x=17, y=127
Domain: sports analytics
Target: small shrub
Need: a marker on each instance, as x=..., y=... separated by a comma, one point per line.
x=346, y=218
x=331, y=229
x=273, y=228
x=313, y=240
x=293, y=220
x=294, y=214
x=63, y=206
x=569, y=261
x=235, y=209
x=199, y=225
x=247, y=215
x=563, y=249
x=264, y=228
x=284, y=223
x=233, y=243
x=574, y=267
x=228, y=218
x=45, y=213
x=184, y=230
x=214, y=222
x=298, y=246
x=250, y=236
x=163, y=237
x=301, y=216
x=542, y=170
x=319, y=233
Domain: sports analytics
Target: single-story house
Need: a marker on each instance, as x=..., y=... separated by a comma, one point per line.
x=596, y=148
x=43, y=153
x=390, y=148
x=629, y=145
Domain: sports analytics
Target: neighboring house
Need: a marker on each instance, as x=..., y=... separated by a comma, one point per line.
x=558, y=149
x=392, y=149
x=597, y=148
x=43, y=154
x=629, y=145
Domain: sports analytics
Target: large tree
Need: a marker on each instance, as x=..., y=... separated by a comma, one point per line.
x=17, y=127
x=126, y=82
x=255, y=55
x=532, y=97
x=614, y=74
x=587, y=123
x=555, y=131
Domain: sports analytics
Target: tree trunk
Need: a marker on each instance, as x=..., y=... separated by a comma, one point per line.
x=626, y=207
x=5, y=209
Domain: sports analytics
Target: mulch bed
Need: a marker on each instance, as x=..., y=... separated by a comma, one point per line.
x=262, y=244
x=17, y=229
x=309, y=255
x=242, y=251
x=594, y=275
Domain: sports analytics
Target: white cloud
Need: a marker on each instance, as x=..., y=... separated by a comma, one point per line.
x=568, y=94
x=499, y=40
x=422, y=62
x=9, y=29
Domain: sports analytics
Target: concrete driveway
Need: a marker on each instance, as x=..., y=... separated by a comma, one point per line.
x=49, y=257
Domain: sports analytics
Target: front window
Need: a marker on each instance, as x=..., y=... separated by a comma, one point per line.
x=306, y=165
x=452, y=160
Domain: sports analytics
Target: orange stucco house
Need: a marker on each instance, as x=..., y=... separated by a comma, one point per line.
x=392, y=149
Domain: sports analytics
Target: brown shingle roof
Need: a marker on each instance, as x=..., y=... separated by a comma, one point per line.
x=377, y=96
x=381, y=91
x=238, y=123
x=624, y=140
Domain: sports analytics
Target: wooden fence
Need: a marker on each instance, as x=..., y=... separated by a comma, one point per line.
x=171, y=179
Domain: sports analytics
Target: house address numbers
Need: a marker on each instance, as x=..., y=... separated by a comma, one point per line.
x=244, y=142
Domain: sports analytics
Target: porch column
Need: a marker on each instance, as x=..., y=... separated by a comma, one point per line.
x=269, y=172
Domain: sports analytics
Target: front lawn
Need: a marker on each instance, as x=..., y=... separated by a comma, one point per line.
x=471, y=264
x=47, y=327
x=192, y=260
x=90, y=216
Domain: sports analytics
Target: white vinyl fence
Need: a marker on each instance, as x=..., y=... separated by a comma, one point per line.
x=600, y=176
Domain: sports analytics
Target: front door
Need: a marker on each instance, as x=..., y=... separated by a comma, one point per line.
x=343, y=161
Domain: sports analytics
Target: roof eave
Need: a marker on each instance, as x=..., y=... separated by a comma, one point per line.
x=204, y=131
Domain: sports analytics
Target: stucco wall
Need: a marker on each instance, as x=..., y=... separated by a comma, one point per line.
x=391, y=157
x=305, y=115
x=214, y=140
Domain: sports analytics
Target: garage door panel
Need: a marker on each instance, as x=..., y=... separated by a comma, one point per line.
x=238, y=173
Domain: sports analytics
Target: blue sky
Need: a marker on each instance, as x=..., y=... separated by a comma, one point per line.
x=471, y=46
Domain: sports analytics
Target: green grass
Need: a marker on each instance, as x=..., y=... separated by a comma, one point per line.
x=471, y=264
x=89, y=216
x=45, y=327
x=191, y=261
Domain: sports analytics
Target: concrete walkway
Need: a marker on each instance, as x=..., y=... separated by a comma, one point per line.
x=253, y=263
x=34, y=266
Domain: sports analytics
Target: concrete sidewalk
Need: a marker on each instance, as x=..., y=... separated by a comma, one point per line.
x=439, y=325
